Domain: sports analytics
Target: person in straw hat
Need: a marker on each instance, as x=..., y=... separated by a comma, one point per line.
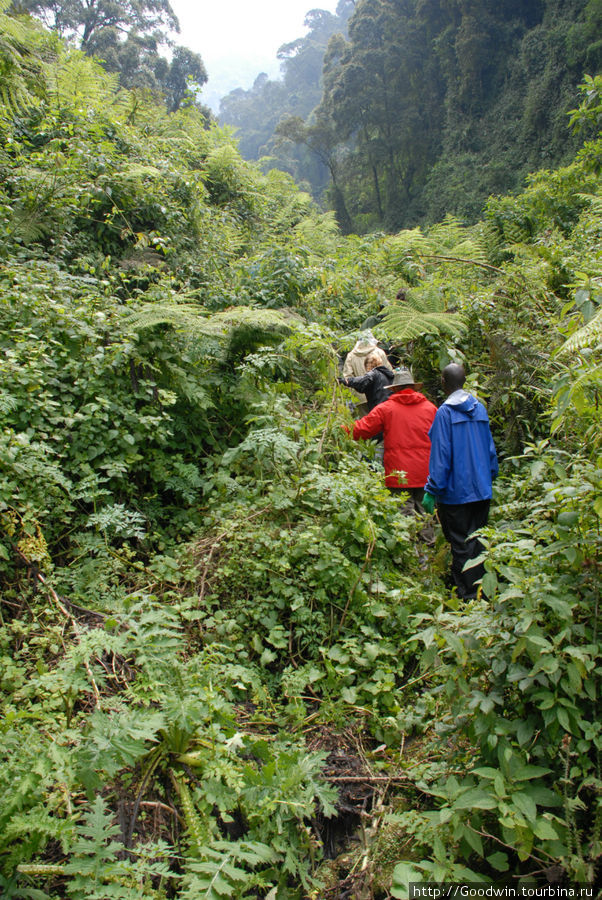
x=404, y=419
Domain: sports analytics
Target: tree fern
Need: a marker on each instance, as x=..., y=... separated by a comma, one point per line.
x=421, y=313
x=516, y=233
x=228, y=335
x=491, y=241
x=594, y=201
x=21, y=80
x=79, y=81
x=589, y=335
x=193, y=320
x=469, y=249
x=405, y=250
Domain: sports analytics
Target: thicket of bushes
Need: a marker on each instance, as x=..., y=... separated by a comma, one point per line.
x=200, y=571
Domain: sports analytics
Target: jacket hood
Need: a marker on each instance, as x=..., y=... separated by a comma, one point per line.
x=384, y=370
x=407, y=397
x=363, y=348
x=463, y=402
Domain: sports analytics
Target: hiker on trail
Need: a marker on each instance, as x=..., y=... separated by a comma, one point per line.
x=404, y=418
x=462, y=466
x=355, y=361
x=376, y=379
x=354, y=364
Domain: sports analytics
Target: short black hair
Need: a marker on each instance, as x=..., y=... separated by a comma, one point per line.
x=453, y=376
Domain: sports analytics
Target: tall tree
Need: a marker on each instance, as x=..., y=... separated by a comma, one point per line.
x=257, y=112
x=126, y=35
x=439, y=103
x=85, y=19
x=320, y=139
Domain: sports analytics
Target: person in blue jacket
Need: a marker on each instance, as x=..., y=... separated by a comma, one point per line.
x=462, y=466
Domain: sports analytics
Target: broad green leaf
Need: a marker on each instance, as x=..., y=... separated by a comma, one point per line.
x=563, y=719
x=526, y=772
x=472, y=838
x=498, y=861
x=525, y=804
x=404, y=874
x=524, y=732
x=544, y=830
x=475, y=798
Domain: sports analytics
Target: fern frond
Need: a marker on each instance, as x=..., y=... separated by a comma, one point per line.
x=515, y=233
x=221, y=874
x=423, y=312
x=404, y=324
x=411, y=239
x=490, y=239
x=410, y=242
x=425, y=300
x=193, y=320
x=447, y=234
x=21, y=82
x=470, y=249
x=183, y=317
x=594, y=201
x=589, y=335
x=136, y=170
x=79, y=81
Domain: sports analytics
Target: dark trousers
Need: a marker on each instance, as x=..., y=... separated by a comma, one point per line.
x=414, y=502
x=413, y=505
x=458, y=522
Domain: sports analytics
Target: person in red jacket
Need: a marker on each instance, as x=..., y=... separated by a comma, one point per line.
x=405, y=419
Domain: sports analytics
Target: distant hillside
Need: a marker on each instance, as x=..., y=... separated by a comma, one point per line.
x=427, y=108
x=224, y=78
x=256, y=112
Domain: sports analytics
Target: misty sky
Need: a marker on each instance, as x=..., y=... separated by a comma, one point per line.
x=238, y=39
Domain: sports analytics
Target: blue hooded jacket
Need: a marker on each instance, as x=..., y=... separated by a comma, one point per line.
x=463, y=460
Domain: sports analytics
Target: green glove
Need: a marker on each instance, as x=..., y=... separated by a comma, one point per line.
x=428, y=503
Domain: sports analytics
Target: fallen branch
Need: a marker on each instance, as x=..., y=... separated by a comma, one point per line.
x=371, y=779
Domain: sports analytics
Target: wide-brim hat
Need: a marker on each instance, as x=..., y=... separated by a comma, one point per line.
x=402, y=378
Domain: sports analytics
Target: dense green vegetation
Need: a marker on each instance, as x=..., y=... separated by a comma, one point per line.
x=429, y=107
x=126, y=37
x=215, y=622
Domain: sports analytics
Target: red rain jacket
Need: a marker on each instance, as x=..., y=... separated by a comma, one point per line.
x=405, y=419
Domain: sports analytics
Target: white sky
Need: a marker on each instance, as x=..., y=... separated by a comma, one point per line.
x=238, y=39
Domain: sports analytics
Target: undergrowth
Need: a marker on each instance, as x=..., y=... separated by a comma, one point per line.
x=225, y=653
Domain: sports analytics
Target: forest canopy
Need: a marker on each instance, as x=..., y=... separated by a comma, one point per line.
x=426, y=108
x=229, y=664
x=127, y=37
